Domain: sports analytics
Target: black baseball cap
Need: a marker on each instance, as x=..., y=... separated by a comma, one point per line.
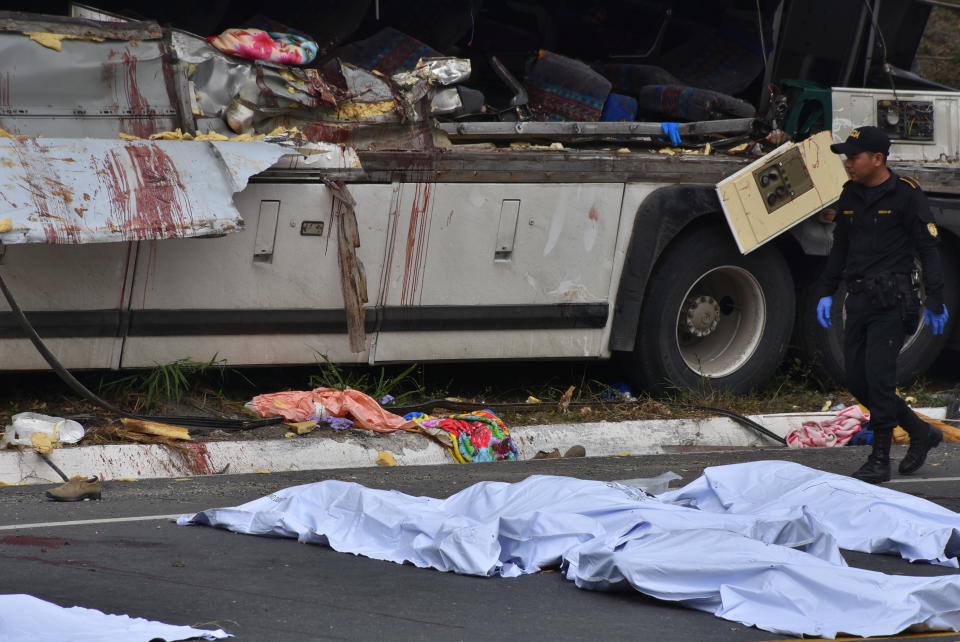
x=863, y=139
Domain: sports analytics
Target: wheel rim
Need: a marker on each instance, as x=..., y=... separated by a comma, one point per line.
x=721, y=321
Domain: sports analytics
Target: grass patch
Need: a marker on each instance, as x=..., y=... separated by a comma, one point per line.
x=401, y=387
x=149, y=389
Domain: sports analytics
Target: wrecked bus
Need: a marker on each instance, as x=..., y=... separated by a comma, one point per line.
x=450, y=181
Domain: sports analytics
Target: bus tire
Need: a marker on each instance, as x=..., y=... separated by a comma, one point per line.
x=713, y=317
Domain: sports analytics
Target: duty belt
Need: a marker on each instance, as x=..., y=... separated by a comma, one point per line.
x=871, y=283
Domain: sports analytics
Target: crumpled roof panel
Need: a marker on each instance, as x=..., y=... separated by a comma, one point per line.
x=70, y=191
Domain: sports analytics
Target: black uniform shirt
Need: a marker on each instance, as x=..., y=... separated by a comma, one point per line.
x=882, y=235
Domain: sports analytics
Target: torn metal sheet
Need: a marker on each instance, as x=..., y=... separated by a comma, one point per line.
x=438, y=71
x=104, y=79
x=218, y=80
x=70, y=191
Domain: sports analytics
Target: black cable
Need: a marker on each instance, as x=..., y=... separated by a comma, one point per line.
x=67, y=377
x=883, y=45
x=50, y=463
x=741, y=419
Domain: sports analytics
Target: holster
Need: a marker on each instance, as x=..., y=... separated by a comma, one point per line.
x=888, y=291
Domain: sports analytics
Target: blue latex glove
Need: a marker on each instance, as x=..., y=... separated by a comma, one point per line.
x=823, y=311
x=673, y=131
x=937, y=322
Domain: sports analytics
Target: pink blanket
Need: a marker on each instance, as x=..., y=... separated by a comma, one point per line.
x=300, y=405
x=835, y=431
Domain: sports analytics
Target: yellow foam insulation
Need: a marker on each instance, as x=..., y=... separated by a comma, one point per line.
x=522, y=145
x=6, y=225
x=303, y=427
x=42, y=443
x=361, y=111
x=686, y=152
x=174, y=135
x=55, y=40
x=385, y=459
x=5, y=134
x=177, y=134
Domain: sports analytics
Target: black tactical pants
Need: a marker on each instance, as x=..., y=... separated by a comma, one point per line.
x=873, y=336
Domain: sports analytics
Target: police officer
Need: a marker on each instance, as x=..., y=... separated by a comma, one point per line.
x=883, y=223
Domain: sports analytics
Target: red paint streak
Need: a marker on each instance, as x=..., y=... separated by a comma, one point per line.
x=319, y=133
x=161, y=197
x=269, y=98
x=416, y=243
x=30, y=540
x=592, y=215
x=200, y=461
x=170, y=81
x=115, y=181
x=139, y=107
x=316, y=87
x=50, y=198
x=393, y=216
x=148, y=199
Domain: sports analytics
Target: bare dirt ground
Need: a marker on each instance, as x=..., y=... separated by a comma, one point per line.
x=938, y=57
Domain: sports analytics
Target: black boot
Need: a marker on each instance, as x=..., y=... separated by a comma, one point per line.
x=877, y=468
x=923, y=439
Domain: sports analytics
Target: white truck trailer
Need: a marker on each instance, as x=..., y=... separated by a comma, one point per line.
x=469, y=248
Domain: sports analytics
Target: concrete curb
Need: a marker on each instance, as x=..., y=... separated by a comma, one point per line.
x=143, y=461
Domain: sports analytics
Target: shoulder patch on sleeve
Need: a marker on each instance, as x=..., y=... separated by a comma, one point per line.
x=912, y=182
x=932, y=229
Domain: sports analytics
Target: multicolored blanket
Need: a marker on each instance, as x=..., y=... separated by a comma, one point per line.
x=471, y=437
x=256, y=44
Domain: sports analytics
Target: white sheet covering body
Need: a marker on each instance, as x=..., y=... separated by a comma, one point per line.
x=780, y=571
x=491, y=527
x=25, y=618
x=863, y=517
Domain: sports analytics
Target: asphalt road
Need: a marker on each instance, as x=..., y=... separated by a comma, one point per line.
x=276, y=590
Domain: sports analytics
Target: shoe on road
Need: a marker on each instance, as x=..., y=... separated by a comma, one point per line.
x=77, y=490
